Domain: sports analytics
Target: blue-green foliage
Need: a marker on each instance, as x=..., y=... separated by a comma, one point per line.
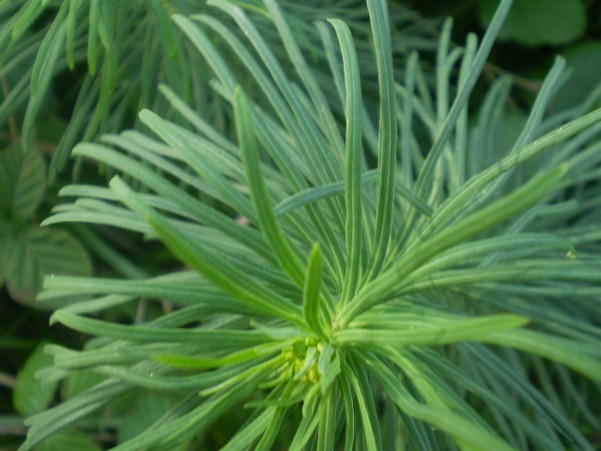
x=374, y=270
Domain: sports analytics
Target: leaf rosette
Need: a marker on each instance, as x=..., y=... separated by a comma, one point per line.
x=391, y=277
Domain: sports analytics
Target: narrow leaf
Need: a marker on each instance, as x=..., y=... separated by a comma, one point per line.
x=44, y=68
x=478, y=222
x=584, y=359
x=149, y=334
x=353, y=160
x=476, y=329
x=387, y=134
x=312, y=292
x=213, y=267
x=463, y=430
x=285, y=253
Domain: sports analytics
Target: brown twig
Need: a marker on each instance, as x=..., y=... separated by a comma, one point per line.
x=7, y=380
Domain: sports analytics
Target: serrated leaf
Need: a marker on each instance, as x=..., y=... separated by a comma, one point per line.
x=22, y=182
x=540, y=22
x=31, y=395
x=35, y=253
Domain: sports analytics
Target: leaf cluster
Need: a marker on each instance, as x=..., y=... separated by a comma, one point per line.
x=374, y=270
x=28, y=253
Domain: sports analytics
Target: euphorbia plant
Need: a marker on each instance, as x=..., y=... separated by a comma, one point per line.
x=445, y=296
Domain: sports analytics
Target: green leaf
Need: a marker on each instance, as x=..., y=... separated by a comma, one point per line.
x=4, y=247
x=327, y=422
x=198, y=161
x=499, y=211
x=179, y=429
x=582, y=358
x=470, y=433
x=306, y=427
x=517, y=244
x=366, y=404
x=309, y=195
x=93, y=37
x=273, y=429
x=476, y=329
x=71, y=31
x=35, y=253
x=186, y=361
x=22, y=182
x=282, y=247
x=582, y=59
x=44, y=68
x=520, y=271
x=468, y=191
x=251, y=431
x=353, y=160
x=32, y=395
x=349, y=409
x=81, y=112
x=78, y=383
x=307, y=159
x=68, y=440
x=206, y=262
x=194, y=208
x=387, y=132
x=463, y=230
x=151, y=381
x=312, y=292
x=56, y=418
x=442, y=133
x=147, y=408
x=27, y=15
x=328, y=369
x=290, y=39
x=540, y=22
x=147, y=334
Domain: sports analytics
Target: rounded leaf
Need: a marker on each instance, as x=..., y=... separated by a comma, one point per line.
x=22, y=182
x=146, y=409
x=32, y=395
x=539, y=22
x=36, y=253
x=583, y=62
x=68, y=440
